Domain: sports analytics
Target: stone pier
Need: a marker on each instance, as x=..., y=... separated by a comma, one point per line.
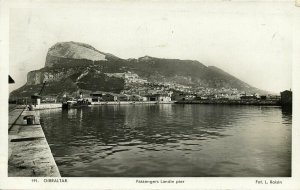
x=29, y=153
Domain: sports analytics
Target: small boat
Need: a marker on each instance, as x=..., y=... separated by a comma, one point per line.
x=68, y=104
x=75, y=103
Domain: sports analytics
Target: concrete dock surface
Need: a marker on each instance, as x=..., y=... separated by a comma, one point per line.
x=47, y=106
x=29, y=152
x=14, y=113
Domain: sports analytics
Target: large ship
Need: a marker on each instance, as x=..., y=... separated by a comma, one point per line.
x=75, y=103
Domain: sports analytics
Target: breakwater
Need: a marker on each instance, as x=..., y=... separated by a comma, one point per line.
x=29, y=154
x=232, y=102
x=130, y=102
x=47, y=106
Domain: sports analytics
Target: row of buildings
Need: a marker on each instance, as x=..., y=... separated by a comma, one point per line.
x=161, y=97
x=100, y=96
x=168, y=96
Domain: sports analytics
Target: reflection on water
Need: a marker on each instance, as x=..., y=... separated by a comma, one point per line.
x=287, y=115
x=170, y=140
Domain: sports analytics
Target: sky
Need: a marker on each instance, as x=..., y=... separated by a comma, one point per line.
x=253, y=41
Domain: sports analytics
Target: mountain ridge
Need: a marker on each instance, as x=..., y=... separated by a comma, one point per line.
x=66, y=61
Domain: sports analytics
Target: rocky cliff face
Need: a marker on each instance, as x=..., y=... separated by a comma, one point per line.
x=74, y=50
x=38, y=77
x=71, y=67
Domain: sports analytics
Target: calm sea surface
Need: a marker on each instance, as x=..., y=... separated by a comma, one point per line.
x=170, y=140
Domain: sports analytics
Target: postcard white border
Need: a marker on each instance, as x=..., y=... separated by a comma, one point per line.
x=130, y=183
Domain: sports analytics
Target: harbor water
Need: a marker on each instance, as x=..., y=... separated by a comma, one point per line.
x=170, y=140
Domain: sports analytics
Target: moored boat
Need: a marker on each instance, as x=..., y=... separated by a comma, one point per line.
x=75, y=103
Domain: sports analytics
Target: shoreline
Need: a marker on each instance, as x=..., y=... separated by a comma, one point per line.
x=233, y=102
x=130, y=102
x=44, y=106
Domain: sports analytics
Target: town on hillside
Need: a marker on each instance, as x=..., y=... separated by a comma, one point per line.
x=139, y=90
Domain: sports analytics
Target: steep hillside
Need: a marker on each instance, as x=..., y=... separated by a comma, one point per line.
x=72, y=67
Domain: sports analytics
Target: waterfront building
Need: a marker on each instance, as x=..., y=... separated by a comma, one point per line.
x=49, y=99
x=108, y=97
x=97, y=96
x=234, y=97
x=122, y=97
x=257, y=95
x=36, y=99
x=159, y=98
x=178, y=96
x=190, y=97
x=248, y=97
x=273, y=97
x=203, y=97
x=211, y=96
x=136, y=97
x=263, y=97
x=286, y=97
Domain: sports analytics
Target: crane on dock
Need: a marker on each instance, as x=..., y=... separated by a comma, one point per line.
x=36, y=97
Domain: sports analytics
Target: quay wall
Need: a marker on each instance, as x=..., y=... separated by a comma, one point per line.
x=47, y=106
x=130, y=102
x=29, y=154
x=216, y=101
x=232, y=102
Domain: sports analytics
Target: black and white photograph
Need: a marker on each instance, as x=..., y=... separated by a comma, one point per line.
x=150, y=91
